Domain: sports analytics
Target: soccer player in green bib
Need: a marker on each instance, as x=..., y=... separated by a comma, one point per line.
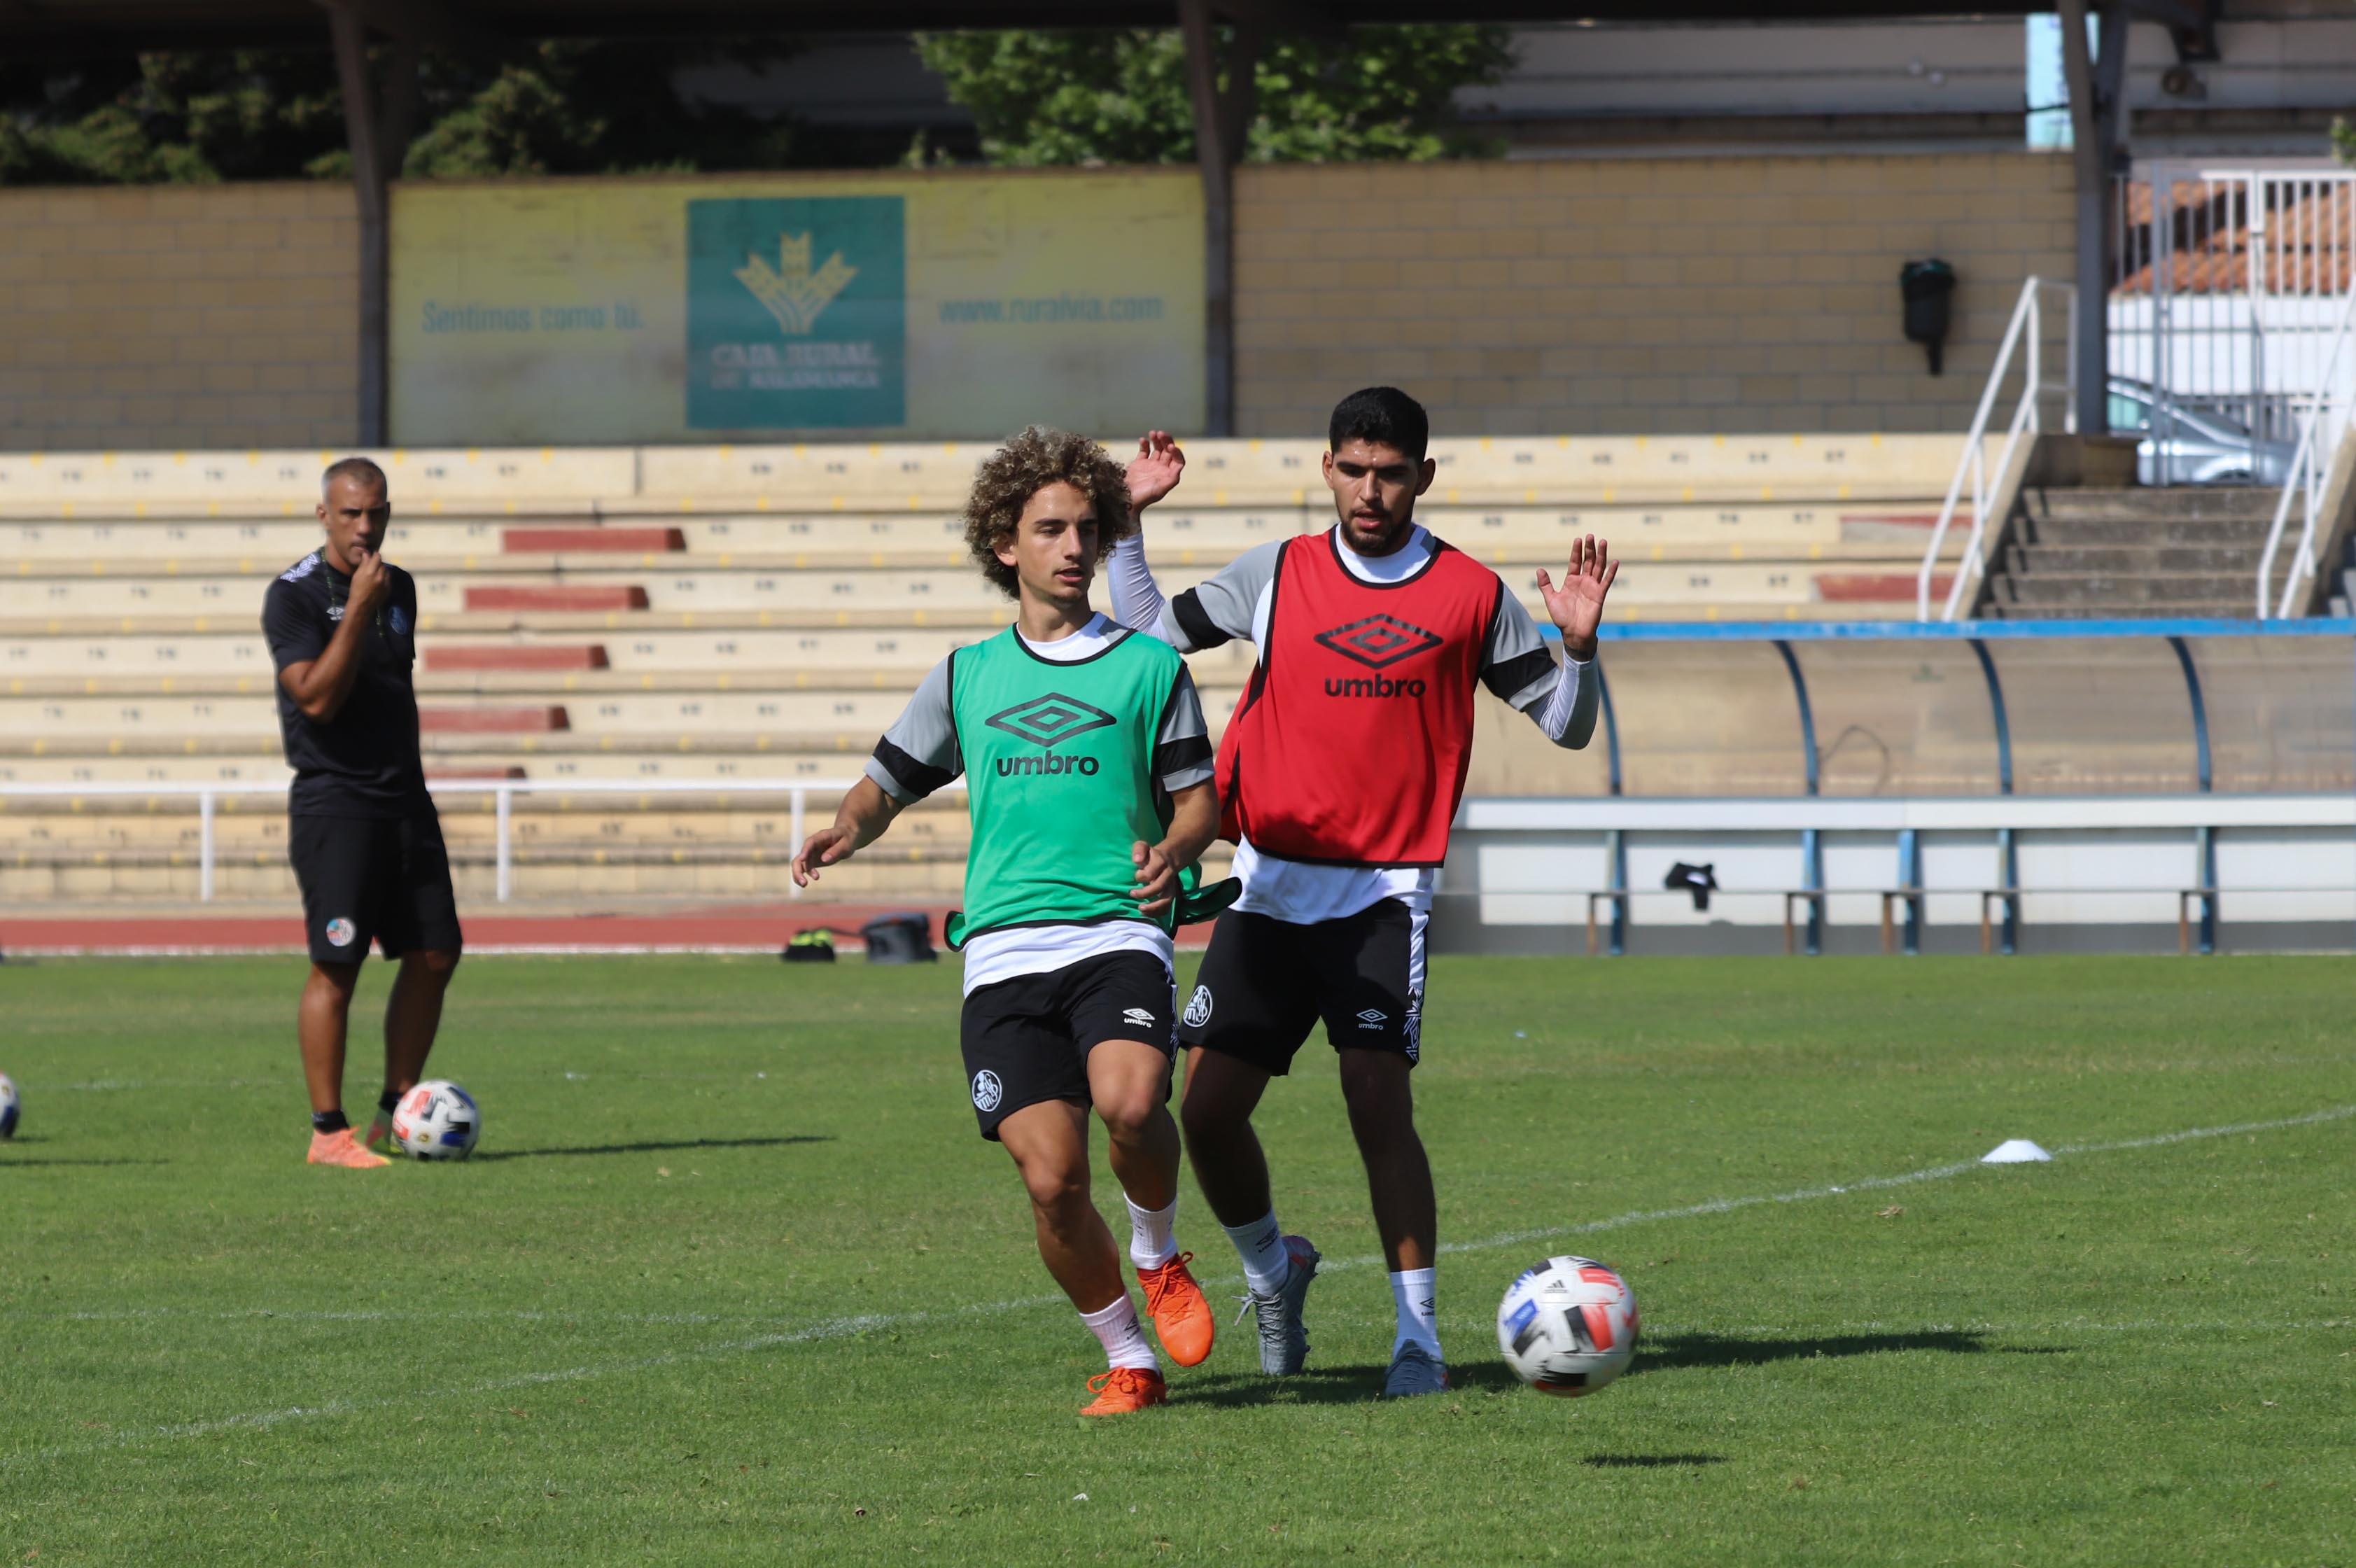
x=1088, y=776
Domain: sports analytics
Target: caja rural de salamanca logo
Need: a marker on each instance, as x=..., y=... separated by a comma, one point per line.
x=796, y=295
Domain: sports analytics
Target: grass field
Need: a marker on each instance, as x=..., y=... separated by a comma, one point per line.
x=732, y=1279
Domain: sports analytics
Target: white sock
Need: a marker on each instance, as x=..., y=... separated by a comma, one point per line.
x=1418, y=1322
x=1261, y=1245
x=1116, y=1328
x=1153, y=1234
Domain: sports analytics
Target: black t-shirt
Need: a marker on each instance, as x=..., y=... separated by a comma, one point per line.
x=365, y=761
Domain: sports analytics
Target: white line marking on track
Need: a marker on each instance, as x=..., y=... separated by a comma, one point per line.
x=844, y=1328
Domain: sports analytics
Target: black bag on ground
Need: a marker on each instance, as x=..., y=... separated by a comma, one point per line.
x=810, y=947
x=899, y=939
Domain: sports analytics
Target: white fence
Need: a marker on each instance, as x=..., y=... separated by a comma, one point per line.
x=2285, y=861
x=206, y=799
x=2225, y=295
x=2042, y=307
x=2322, y=427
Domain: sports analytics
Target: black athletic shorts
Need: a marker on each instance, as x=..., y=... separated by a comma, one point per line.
x=365, y=881
x=1028, y=1039
x=1265, y=983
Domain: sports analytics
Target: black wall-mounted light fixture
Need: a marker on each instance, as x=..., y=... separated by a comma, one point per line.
x=1928, y=287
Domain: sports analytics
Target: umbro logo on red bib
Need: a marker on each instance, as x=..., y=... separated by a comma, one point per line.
x=1379, y=641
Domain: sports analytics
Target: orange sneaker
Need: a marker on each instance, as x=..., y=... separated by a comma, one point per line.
x=1126, y=1389
x=1182, y=1318
x=342, y=1149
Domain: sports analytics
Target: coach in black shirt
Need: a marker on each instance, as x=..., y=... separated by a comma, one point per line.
x=362, y=833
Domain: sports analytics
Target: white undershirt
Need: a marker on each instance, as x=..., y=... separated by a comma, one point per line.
x=994, y=956
x=1296, y=891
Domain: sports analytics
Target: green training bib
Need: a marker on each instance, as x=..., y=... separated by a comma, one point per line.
x=1059, y=778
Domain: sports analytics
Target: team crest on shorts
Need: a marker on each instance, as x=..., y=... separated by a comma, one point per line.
x=342, y=931
x=987, y=1090
x=1198, y=1007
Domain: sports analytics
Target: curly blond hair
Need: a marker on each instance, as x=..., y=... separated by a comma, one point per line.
x=1011, y=475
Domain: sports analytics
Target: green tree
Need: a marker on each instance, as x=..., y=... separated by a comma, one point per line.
x=589, y=107
x=1120, y=96
x=559, y=107
x=190, y=117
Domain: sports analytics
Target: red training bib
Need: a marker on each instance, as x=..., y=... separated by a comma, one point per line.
x=1351, y=745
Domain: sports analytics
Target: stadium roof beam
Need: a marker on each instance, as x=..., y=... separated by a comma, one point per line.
x=67, y=27
x=2097, y=82
x=379, y=138
x=2192, y=25
x=413, y=22
x=1223, y=115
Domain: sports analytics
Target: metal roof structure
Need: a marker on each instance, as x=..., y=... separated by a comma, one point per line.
x=76, y=27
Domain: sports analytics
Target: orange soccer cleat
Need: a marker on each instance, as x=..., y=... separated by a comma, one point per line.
x=1181, y=1316
x=343, y=1149
x=1126, y=1389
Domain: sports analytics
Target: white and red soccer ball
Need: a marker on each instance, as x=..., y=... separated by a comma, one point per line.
x=1567, y=1327
x=10, y=1106
x=437, y=1121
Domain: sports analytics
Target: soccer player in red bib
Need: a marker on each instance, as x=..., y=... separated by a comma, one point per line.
x=1340, y=774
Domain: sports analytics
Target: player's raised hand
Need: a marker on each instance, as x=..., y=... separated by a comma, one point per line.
x=1157, y=877
x=1577, y=607
x=827, y=846
x=1154, y=472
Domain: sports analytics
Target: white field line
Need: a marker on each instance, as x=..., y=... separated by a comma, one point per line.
x=259, y=1420
x=1870, y=1183
x=844, y=1328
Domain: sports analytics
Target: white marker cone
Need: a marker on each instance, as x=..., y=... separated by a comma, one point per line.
x=2013, y=1152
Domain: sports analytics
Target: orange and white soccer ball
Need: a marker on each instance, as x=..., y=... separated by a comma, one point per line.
x=437, y=1121
x=1567, y=1327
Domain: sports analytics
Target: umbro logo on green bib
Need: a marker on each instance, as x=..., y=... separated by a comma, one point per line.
x=1060, y=757
x=1049, y=721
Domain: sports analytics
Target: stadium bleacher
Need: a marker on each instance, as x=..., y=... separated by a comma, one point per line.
x=748, y=613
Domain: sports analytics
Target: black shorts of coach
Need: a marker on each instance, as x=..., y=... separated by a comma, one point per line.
x=1027, y=1039
x=1266, y=983
x=366, y=880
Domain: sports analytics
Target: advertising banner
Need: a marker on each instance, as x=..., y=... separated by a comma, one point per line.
x=946, y=306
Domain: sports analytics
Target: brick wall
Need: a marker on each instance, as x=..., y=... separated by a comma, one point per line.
x=1671, y=295
x=177, y=316
x=1689, y=295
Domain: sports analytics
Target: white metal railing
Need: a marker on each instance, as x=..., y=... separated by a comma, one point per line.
x=2226, y=281
x=2321, y=427
x=207, y=796
x=2027, y=328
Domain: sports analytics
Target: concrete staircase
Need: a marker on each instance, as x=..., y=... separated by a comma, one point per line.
x=2101, y=554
